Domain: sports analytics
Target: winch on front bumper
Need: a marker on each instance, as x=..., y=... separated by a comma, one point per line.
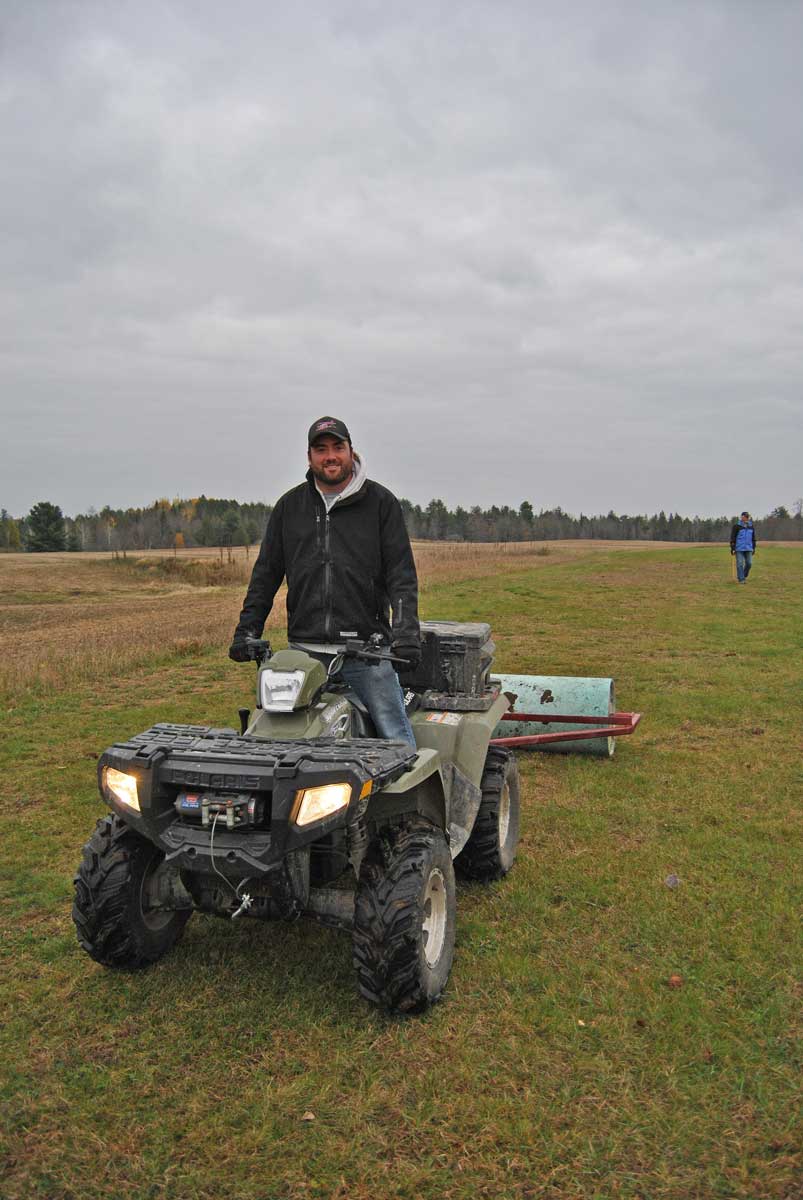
x=214, y=800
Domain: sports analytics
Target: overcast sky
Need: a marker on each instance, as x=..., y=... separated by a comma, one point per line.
x=544, y=251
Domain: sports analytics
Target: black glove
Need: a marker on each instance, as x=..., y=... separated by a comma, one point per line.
x=239, y=650
x=409, y=650
x=732, y=551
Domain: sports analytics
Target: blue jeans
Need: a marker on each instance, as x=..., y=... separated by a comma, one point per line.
x=378, y=687
x=744, y=561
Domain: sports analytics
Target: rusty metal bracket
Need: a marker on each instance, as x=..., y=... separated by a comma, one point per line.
x=612, y=725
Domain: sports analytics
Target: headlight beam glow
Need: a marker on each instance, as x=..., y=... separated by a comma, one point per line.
x=313, y=804
x=122, y=786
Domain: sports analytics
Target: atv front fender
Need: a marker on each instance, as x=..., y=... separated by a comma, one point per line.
x=420, y=790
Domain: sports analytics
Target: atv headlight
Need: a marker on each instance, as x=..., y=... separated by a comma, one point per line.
x=279, y=690
x=315, y=803
x=122, y=786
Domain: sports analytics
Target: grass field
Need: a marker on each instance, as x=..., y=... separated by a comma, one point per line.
x=603, y=1035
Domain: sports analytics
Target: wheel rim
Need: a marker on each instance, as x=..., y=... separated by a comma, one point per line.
x=504, y=813
x=435, y=916
x=153, y=918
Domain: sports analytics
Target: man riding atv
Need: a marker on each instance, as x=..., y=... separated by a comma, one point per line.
x=341, y=542
x=331, y=802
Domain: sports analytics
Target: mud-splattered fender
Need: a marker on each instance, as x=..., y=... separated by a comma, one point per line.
x=421, y=790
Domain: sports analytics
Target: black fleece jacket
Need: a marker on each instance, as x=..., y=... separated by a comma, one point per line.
x=345, y=569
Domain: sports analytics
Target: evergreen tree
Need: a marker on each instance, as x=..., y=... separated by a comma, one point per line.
x=251, y=530
x=233, y=534
x=459, y=524
x=437, y=516
x=44, y=528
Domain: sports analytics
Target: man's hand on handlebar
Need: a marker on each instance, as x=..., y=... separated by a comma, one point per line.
x=407, y=652
x=247, y=647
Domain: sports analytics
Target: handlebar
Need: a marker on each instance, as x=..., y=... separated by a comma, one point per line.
x=259, y=650
x=370, y=651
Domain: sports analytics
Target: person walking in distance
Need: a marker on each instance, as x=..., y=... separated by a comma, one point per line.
x=743, y=545
x=340, y=540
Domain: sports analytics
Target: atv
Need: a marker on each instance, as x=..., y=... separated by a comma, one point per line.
x=305, y=812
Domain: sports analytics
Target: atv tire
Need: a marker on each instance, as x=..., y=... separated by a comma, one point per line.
x=491, y=850
x=112, y=919
x=404, y=918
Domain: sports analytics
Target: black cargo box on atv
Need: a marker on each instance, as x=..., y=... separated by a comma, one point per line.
x=456, y=657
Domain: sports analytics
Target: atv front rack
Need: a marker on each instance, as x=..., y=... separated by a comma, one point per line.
x=200, y=750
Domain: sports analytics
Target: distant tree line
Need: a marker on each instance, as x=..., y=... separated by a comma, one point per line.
x=177, y=523
x=163, y=524
x=438, y=523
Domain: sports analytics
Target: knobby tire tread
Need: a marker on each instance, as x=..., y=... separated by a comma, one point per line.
x=480, y=858
x=101, y=908
x=387, y=920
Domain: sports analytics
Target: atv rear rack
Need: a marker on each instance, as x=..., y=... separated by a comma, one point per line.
x=613, y=725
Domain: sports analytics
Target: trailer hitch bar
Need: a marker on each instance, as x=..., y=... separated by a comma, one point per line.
x=613, y=725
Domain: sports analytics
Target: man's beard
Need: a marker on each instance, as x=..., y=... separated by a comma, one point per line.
x=333, y=480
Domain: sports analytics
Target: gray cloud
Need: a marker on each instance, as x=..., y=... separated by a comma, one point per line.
x=538, y=251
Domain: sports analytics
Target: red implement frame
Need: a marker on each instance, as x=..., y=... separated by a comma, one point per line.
x=614, y=725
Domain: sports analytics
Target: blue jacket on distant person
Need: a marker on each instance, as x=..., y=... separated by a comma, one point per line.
x=743, y=543
x=743, y=536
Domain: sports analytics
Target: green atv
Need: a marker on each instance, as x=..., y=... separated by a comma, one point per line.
x=305, y=812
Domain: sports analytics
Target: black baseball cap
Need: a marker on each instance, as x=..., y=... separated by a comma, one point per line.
x=328, y=427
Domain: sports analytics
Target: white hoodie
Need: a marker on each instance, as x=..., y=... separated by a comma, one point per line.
x=330, y=499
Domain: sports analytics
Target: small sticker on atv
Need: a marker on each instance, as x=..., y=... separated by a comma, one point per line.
x=444, y=718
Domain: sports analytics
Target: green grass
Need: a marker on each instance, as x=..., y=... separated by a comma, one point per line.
x=561, y=1062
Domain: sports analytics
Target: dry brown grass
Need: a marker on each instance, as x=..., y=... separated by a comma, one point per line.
x=66, y=618
x=71, y=618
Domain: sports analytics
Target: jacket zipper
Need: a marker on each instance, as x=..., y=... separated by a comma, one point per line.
x=327, y=580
